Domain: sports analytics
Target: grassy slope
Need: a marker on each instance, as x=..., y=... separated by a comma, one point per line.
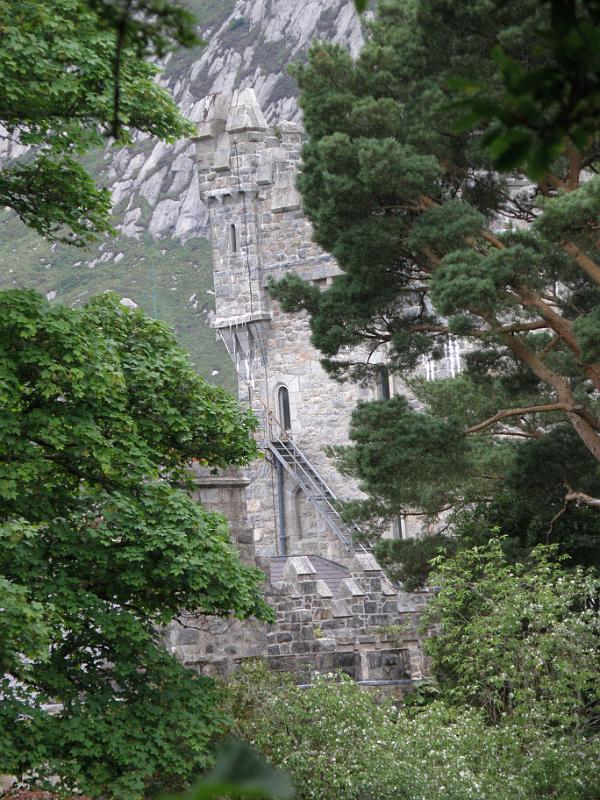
x=160, y=276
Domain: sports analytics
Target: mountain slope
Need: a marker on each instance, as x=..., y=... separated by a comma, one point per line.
x=160, y=259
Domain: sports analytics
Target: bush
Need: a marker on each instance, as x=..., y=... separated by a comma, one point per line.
x=517, y=639
x=337, y=741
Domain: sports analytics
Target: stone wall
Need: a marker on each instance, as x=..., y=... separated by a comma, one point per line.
x=328, y=618
x=335, y=608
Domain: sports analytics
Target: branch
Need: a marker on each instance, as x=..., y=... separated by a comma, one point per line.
x=575, y=162
x=555, y=518
x=208, y=627
x=550, y=346
x=517, y=412
x=573, y=496
x=522, y=434
x=522, y=327
x=585, y=262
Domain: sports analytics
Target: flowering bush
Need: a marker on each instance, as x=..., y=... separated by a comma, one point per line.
x=517, y=639
x=338, y=741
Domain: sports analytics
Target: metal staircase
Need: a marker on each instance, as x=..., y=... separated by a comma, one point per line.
x=318, y=493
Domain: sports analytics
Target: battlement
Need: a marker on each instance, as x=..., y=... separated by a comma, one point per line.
x=236, y=149
x=247, y=175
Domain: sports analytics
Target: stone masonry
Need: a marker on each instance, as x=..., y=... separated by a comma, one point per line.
x=335, y=607
x=258, y=231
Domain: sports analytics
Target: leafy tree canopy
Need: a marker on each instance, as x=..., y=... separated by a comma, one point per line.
x=73, y=72
x=531, y=112
x=100, y=413
x=435, y=243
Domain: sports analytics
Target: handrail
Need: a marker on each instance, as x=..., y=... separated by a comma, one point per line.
x=312, y=466
x=321, y=488
x=287, y=440
x=303, y=477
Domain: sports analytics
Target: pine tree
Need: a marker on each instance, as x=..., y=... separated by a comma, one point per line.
x=434, y=242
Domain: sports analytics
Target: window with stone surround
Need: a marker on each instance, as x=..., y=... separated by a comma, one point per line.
x=283, y=406
x=233, y=238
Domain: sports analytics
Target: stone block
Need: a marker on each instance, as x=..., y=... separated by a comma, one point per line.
x=297, y=566
x=349, y=588
x=301, y=648
x=339, y=608
x=215, y=112
x=365, y=562
x=285, y=198
x=187, y=636
x=324, y=646
x=345, y=640
x=307, y=587
x=323, y=589
x=245, y=113
x=329, y=624
x=301, y=615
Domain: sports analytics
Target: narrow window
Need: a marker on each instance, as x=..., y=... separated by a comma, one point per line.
x=283, y=398
x=233, y=236
x=399, y=527
x=384, y=383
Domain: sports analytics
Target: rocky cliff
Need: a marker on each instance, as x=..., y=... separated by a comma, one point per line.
x=160, y=259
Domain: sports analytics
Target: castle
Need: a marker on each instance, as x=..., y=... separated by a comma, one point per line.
x=335, y=607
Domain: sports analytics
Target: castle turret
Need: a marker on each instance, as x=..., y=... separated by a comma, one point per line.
x=332, y=600
x=247, y=173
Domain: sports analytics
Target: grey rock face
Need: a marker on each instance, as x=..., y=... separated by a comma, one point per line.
x=250, y=45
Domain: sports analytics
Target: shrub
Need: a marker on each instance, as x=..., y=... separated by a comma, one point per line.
x=338, y=741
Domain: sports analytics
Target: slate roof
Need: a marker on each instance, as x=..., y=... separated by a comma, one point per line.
x=329, y=571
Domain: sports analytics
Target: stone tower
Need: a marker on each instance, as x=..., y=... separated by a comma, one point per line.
x=259, y=232
x=335, y=608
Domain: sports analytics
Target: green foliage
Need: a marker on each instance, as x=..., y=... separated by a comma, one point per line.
x=101, y=414
x=434, y=242
x=336, y=740
x=24, y=635
x=409, y=560
x=530, y=508
x=547, y=105
x=240, y=772
x=65, y=85
x=41, y=193
x=587, y=331
x=483, y=483
x=516, y=640
x=391, y=441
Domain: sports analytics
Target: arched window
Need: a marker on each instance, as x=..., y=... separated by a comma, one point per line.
x=283, y=402
x=233, y=237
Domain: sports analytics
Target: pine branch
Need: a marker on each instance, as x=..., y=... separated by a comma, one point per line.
x=580, y=498
x=517, y=412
